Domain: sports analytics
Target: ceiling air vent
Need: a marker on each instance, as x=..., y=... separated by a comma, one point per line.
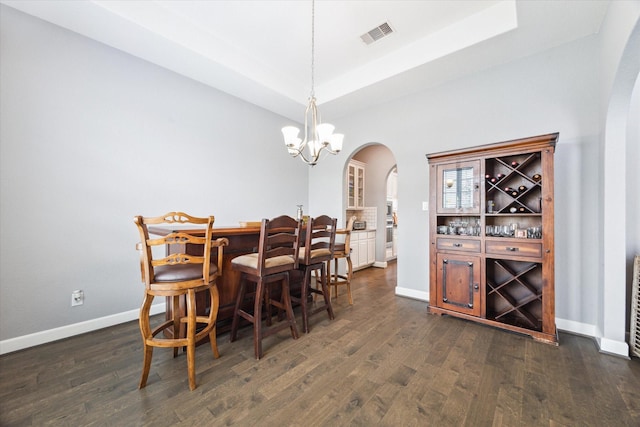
x=377, y=33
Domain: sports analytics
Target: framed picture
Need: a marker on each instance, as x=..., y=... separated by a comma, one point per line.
x=521, y=233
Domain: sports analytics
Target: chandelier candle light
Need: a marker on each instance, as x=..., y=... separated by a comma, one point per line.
x=318, y=137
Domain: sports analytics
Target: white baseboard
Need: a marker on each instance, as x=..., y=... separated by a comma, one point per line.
x=605, y=345
x=380, y=264
x=412, y=293
x=576, y=327
x=610, y=346
x=43, y=337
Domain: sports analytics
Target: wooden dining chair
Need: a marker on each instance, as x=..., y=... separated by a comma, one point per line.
x=178, y=275
x=319, y=241
x=277, y=256
x=342, y=250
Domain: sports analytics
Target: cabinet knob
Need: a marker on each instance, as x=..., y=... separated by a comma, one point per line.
x=476, y=286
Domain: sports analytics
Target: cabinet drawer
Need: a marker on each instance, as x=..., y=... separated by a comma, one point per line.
x=527, y=249
x=355, y=235
x=458, y=245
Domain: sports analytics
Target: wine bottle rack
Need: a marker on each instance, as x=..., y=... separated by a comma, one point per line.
x=514, y=293
x=517, y=171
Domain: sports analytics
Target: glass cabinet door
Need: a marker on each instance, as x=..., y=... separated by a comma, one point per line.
x=351, y=186
x=458, y=188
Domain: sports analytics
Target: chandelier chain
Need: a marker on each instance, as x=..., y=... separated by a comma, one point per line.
x=313, y=46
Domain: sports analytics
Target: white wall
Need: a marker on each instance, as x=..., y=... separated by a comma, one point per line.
x=556, y=90
x=90, y=137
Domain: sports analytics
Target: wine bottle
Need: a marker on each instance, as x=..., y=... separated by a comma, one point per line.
x=521, y=209
x=487, y=177
x=511, y=191
x=493, y=180
x=500, y=176
x=522, y=189
x=536, y=177
x=514, y=164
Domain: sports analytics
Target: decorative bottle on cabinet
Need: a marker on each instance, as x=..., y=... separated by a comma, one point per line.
x=501, y=273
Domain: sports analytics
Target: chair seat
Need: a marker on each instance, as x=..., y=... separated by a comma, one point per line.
x=251, y=261
x=181, y=272
x=317, y=255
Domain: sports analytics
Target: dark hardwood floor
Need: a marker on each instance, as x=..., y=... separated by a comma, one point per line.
x=382, y=361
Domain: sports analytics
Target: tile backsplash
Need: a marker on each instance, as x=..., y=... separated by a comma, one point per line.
x=367, y=214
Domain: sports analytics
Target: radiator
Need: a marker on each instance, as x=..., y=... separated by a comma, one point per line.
x=635, y=308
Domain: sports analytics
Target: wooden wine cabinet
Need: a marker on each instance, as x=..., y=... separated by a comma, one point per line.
x=492, y=235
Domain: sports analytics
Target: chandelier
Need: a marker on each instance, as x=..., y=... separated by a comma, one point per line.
x=318, y=137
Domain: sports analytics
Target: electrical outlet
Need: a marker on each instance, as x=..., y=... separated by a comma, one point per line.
x=77, y=298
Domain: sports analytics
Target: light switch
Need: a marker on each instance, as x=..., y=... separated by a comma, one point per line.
x=425, y=206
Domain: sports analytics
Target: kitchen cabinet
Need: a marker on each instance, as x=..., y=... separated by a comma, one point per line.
x=492, y=235
x=363, y=248
x=355, y=184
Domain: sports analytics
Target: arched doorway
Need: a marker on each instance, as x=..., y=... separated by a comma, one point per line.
x=379, y=161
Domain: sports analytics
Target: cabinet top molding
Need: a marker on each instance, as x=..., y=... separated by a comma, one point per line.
x=534, y=143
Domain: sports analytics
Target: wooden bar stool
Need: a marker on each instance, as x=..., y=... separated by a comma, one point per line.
x=342, y=251
x=277, y=255
x=318, y=249
x=178, y=275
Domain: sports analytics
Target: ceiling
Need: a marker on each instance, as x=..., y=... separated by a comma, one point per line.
x=260, y=51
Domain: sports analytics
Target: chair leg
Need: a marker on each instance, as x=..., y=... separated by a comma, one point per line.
x=236, y=316
x=191, y=338
x=267, y=304
x=335, y=276
x=304, y=295
x=326, y=292
x=288, y=308
x=213, y=316
x=349, y=276
x=145, y=331
x=257, y=319
x=177, y=330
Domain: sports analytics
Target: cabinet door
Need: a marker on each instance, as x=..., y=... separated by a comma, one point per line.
x=355, y=261
x=371, y=248
x=363, y=252
x=360, y=187
x=458, y=283
x=458, y=187
x=351, y=186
